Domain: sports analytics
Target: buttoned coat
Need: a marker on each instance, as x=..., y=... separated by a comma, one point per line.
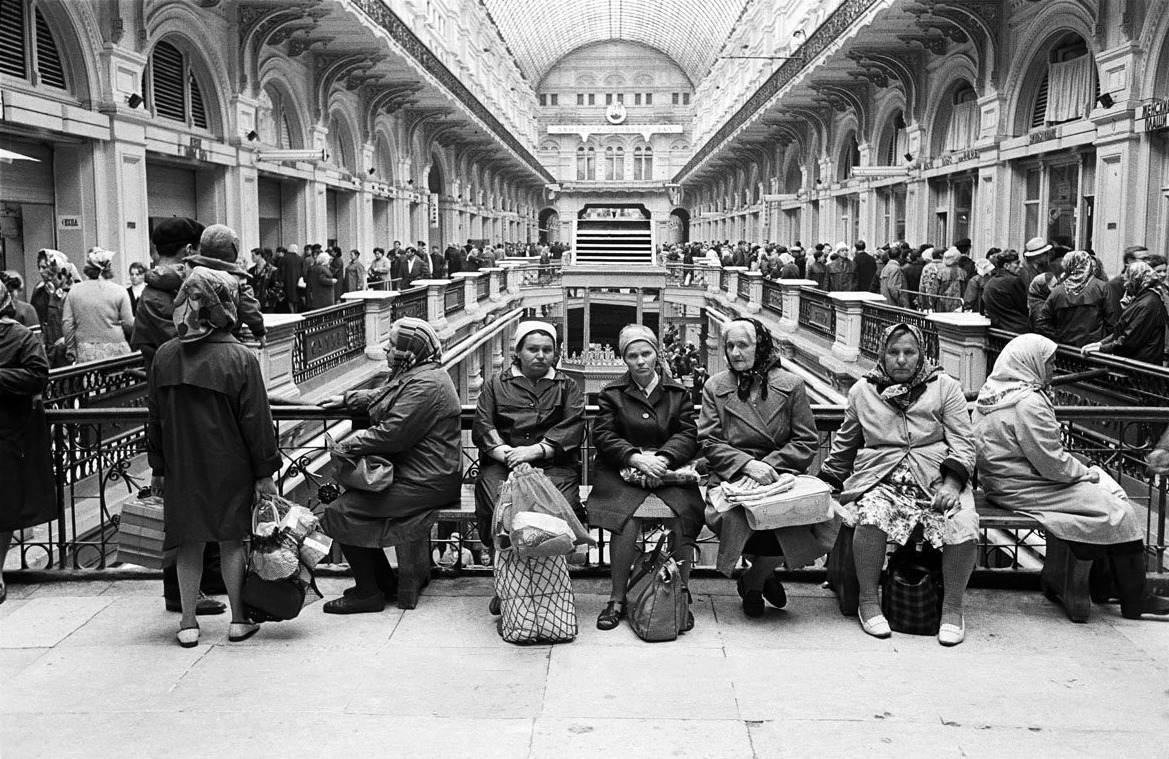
x=26, y=465
x=628, y=422
x=779, y=430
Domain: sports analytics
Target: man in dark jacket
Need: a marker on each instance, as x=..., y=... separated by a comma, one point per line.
x=291, y=270
x=966, y=262
x=912, y=273
x=1004, y=297
x=866, y=267
x=412, y=269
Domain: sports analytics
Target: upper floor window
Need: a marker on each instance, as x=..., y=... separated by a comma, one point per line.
x=965, y=120
x=586, y=162
x=643, y=168
x=1069, y=85
x=580, y=98
x=29, y=53
x=172, y=88
x=553, y=99
x=614, y=164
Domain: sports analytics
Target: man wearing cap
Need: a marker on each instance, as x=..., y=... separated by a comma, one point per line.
x=174, y=239
x=219, y=250
x=1004, y=296
x=966, y=263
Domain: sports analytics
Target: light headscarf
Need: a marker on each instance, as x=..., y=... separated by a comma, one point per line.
x=902, y=394
x=99, y=260
x=526, y=328
x=207, y=301
x=951, y=257
x=983, y=266
x=636, y=333
x=1139, y=276
x=1077, y=271
x=1021, y=369
x=417, y=343
x=766, y=359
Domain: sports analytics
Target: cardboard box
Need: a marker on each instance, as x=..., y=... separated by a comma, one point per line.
x=809, y=502
x=141, y=532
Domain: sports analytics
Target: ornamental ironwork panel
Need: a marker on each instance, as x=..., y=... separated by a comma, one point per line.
x=773, y=299
x=454, y=297
x=817, y=313
x=483, y=288
x=744, y=287
x=326, y=339
x=411, y=303
x=724, y=280
x=877, y=317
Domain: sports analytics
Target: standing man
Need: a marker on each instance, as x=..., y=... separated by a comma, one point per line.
x=866, y=268
x=966, y=262
x=292, y=271
x=436, y=263
x=412, y=269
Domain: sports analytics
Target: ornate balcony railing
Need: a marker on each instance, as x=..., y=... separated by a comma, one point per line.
x=773, y=297
x=482, y=289
x=454, y=297
x=877, y=317
x=817, y=313
x=411, y=302
x=744, y=287
x=326, y=339
x=724, y=280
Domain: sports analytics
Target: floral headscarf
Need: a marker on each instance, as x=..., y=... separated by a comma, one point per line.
x=1077, y=271
x=902, y=394
x=417, y=343
x=766, y=359
x=207, y=301
x=1021, y=369
x=1139, y=276
x=62, y=273
x=100, y=262
x=7, y=306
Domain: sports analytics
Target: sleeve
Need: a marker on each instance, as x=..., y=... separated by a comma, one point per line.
x=1038, y=433
x=484, y=434
x=410, y=417
x=1132, y=330
x=971, y=296
x=959, y=434
x=797, y=453
x=845, y=444
x=613, y=449
x=154, y=449
x=725, y=459
x=569, y=433
x=69, y=327
x=682, y=445
x=255, y=421
x=249, y=310
x=1108, y=313
x=359, y=401
x=31, y=374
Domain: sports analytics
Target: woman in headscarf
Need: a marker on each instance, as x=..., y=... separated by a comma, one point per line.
x=645, y=428
x=48, y=297
x=756, y=423
x=1077, y=312
x=903, y=456
x=787, y=266
x=96, y=315
x=972, y=299
x=951, y=283
x=321, y=281
x=1140, y=331
x=26, y=464
x=533, y=413
x=415, y=424
x=1023, y=466
x=210, y=441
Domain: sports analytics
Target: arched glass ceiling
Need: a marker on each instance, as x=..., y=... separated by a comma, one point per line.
x=541, y=32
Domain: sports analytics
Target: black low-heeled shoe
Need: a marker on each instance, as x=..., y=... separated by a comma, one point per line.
x=774, y=593
x=611, y=615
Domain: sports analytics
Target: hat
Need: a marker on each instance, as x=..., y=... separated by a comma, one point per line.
x=219, y=241
x=635, y=333
x=1036, y=246
x=177, y=230
x=1006, y=257
x=526, y=328
x=294, y=248
x=963, y=243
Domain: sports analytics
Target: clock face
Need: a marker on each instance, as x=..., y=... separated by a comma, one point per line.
x=615, y=113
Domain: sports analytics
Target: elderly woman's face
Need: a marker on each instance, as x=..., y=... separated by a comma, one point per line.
x=740, y=346
x=641, y=359
x=902, y=356
x=536, y=353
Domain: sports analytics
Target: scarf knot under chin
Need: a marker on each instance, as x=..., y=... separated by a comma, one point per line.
x=903, y=394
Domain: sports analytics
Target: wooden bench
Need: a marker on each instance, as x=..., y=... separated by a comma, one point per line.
x=1064, y=578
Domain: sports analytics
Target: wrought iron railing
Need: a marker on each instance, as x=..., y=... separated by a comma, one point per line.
x=541, y=275
x=681, y=275
x=411, y=302
x=724, y=280
x=744, y=288
x=877, y=317
x=817, y=313
x=773, y=299
x=483, y=288
x=454, y=297
x=326, y=339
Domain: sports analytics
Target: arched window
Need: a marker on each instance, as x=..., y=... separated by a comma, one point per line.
x=340, y=151
x=614, y=164
x=896, y=142
x=586, y=162
x=965, y=120
x=172, y=89
x=850, y=156
x=643, y=163
x=35, y=56
x=1069, y=85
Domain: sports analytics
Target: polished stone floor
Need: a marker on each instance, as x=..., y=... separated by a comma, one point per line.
x=90, y=669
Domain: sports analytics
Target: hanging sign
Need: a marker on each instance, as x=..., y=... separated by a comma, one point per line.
x=1155, y=115
x=434, y=212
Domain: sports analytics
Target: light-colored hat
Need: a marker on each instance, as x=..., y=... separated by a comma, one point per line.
x=635, y=333
x=526, y=328
x=1036, y=246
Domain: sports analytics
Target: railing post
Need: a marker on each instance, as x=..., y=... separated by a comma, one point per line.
x=848, y=323
x=790, y=322
x=754, y=290
x=733, y=273
x=435, y=301
x=493, y=290
x=470, y=296
x=962, y=347
x=379, y=307
x=276, y=355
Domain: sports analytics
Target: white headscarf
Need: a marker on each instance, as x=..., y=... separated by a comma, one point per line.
x=1021, y=369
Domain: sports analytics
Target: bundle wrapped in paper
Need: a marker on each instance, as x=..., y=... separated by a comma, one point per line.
x=792, y=500
x=686, y=475
x=535, y=534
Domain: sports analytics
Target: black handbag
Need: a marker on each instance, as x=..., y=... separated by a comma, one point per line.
x=657, y=601
x=911, y=595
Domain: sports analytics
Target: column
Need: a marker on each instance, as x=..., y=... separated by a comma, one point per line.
x=587, y=313
x=755, y=283
x=276, y=355
x=435, y=303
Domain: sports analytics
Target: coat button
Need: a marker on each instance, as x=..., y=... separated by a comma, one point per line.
x=645, y=416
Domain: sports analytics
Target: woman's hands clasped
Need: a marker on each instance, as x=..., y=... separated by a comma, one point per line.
x=514, y=456
x=651, y=465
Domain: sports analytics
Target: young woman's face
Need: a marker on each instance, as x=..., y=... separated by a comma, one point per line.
x=902, y=356
x=137, y=276
x=536, y=353
x=740, y=347
x=641, y=359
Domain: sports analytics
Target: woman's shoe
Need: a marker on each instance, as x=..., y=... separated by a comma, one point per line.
x=493, y=606
x=240, y=631
x=753, y=603
x=355, y=605
x=952, y=635
x=611, y=615
x=188, y=637
x=878, y=626
x=774, y=593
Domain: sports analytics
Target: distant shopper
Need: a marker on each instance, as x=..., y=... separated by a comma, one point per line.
x=320, y=282
x=893, y=280
x=1004, y=296
x=25, y=313
x=96, y=317
x=219, y=249
x=1076, y=312
x=354, y=273
x=137, y=285
x=1140, y=331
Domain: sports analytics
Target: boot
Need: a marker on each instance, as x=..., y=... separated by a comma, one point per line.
x=1135, y=599
x=1101, y=587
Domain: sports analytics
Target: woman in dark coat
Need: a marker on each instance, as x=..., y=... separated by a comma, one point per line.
x=646, y=424
x=415, y=424
x=210, y=441
x=320, y=283
x=26, y=464
x=1140, y=331
x=532, y=413
x=756, y=422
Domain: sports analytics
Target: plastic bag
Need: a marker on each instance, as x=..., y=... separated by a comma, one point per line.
x=528, y=489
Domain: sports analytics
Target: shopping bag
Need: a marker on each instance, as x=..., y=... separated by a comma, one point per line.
x=141, y=531
x=528, y=489
x=656, y=600
x=369, y=472
x=911, y=595
x=535, y=599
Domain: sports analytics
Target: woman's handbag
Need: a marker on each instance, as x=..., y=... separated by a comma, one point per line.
x=656, y=600
x=370, y=472
x=911, y=596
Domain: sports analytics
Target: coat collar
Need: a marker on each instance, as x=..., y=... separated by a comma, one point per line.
x=759, y=417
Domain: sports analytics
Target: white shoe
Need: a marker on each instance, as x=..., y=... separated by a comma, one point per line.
x=878, y=626
x=952, y=635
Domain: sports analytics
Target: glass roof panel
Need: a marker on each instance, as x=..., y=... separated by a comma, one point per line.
x=541, y=32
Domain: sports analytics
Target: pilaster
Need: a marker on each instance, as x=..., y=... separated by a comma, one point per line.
x=962, y=347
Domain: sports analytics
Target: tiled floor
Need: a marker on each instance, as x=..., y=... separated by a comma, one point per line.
x=91, y=670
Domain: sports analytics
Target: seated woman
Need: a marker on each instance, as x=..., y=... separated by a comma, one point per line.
x=756, y=423
x=532, y=413
x=902, y=457
x=415, y=424
x=646, y=423
x=1022, y=465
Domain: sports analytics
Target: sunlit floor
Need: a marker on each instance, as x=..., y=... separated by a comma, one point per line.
x=92, y=670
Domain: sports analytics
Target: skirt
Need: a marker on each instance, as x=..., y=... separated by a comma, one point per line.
x=87, y=352
x=897, y=504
